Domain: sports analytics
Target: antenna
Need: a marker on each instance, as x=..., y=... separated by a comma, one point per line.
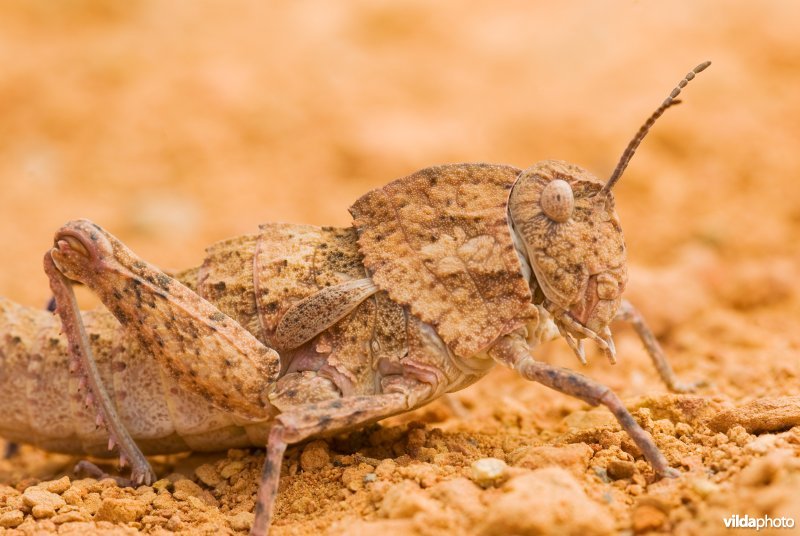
x=645, y=128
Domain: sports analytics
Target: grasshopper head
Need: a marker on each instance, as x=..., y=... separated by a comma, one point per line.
x=565, y=218
x=574, y=244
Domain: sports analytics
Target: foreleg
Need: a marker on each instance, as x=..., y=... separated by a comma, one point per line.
x=513, y=351
x=628, y=313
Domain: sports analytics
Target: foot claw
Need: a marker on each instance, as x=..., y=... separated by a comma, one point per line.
x=85, y=467
x=669, y=472
x=689, y=387
x=142, y=475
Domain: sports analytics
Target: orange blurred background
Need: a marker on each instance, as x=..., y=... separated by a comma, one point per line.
x=176, y=124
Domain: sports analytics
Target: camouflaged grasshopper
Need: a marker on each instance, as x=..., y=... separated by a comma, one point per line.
x=299, y=331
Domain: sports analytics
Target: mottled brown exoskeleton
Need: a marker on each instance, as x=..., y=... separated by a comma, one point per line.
x=298, y=331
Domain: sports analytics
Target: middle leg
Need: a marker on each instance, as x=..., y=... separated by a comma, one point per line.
x=298, y=423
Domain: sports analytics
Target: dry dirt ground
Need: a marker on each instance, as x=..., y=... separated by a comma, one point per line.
x=176, y=124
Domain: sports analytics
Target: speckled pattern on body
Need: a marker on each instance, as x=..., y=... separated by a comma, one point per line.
x=439, y=241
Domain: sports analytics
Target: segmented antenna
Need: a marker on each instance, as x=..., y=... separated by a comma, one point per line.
x=645, y=128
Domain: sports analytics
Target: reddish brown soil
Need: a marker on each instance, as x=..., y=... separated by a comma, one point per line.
x=177, y=124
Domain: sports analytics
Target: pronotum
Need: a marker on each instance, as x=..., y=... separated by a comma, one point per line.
x=298, y=331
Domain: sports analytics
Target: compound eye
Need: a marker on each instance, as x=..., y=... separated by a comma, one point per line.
x=557, y=200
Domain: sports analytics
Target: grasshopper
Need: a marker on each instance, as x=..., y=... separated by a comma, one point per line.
x=299, y=331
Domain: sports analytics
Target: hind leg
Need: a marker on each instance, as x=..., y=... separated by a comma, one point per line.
x=206, y=351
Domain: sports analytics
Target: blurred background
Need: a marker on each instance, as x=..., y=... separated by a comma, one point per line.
x=176, y=124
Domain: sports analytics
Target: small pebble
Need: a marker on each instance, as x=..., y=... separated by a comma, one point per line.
x=704, y=487
x=647, y=518
x=197, y=504
x=35, y=496
x=73, y=496
x=489, y=472
x=69, y=517
x=41, y=511
x=241, y=521
x=620, y=469
x=164, y=501
x=231, y=469
x=11, y=519
x=208, y=475
x=385, y=468
x=56, y=486
x=602, y=473
x=762, y=444
x=149, y=520
x=186, y=488
x=315, y=456
x=236, y=454
x=161, y=484
x=353, y=477
x=120, y=510
x=174, y=523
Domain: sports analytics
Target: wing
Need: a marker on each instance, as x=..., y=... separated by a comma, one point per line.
x=311, y=316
